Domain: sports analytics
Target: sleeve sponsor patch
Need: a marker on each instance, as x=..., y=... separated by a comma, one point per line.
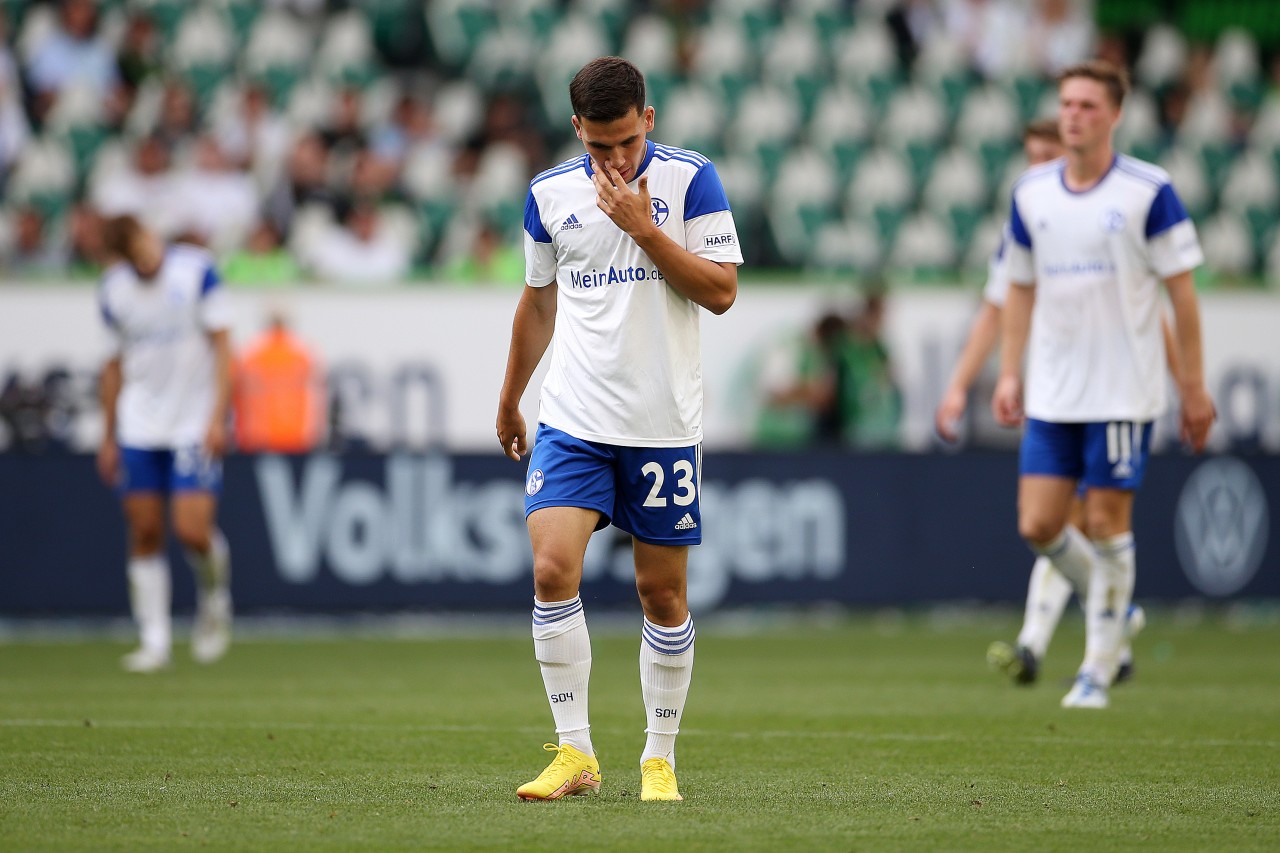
x=712, y=241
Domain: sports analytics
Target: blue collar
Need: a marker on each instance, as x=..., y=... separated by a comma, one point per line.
x=1115, y=158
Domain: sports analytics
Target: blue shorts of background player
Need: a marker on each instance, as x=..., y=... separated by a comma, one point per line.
x=649, y=492
x=164, y=471
x=1102, y=454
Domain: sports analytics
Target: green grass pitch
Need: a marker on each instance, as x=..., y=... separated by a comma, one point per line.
x=800, y=734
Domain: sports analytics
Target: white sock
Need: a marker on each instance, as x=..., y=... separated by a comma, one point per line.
x=149, y=598
x=563, y=649
x=212, y=569
x=1072, y=555
x=1047, y=594
x=1110, y=591
x=666, y=667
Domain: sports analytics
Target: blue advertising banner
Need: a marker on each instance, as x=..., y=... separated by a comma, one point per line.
x=371, y=532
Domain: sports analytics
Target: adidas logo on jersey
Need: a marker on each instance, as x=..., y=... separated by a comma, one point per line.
x=686, y=523
x=570, y=223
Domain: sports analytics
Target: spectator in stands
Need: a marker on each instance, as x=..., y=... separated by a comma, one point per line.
x=35, y=252
x=343, y=135
x=147, y=189
x=871, y=397
x=492, y=259
x=411, y=125
x=913, y=23
x=217, y=201
x=139, y=56
x=1060, y=34
x=803, y=383
x=993, y=32
x=279, y=393
x=373, y=177
x=14, y=130
x=262, y=260
x=88, y=253
x=255, y=137
x=73, y=54
x=306, y=181
x=179, y=121
x=359, y=251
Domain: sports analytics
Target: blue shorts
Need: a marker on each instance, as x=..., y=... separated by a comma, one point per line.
x=1102, y=455
x=187, y=469
x=650, y=492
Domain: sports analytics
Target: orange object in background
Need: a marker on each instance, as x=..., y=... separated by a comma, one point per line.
x=279, y=394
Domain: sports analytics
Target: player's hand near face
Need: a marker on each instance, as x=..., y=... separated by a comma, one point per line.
x=511, y=433
x=1006, y=403
x=1198, y=415
x=629, y=210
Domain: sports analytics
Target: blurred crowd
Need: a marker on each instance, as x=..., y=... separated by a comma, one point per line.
x=372, y=141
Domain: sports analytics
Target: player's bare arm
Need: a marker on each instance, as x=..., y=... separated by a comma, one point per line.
x=109, y=383
x=982, y=337
x=1198, y=412
x=1006, y=404
x=215, y=442
x=712, y=285
x=531, y=331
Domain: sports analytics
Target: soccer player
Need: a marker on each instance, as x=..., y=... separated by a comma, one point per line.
x=624, y=246
x=1048, y=590
x=1093, y=235
x=165, y=393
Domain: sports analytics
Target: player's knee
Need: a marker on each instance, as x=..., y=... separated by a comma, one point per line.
x=193, y=537
x=1038, y=530
x=146, y=538
x=665, y=600
x=554, y=580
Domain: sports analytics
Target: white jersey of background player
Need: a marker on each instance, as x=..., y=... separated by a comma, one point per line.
x=624, y=247
x=1093, y=236
x=165, y=394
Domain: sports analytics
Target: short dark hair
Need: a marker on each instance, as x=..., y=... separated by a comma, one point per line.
x=607, y=89
x=1042, y=128
x=1110, y=75
x=118, y=234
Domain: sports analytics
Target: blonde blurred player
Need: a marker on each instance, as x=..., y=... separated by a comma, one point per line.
x=1094, y=236
x=165, y=393
x=1049, y=590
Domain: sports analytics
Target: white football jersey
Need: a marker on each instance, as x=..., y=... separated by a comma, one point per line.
x=160, y=327
x=625, y=358
x=997, y=287
x=1097, y=258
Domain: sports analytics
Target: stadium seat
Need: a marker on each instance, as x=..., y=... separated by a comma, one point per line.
x=1208, y=120
x=240, y=15
x=1139, y=122
x=1188, y=175
x=575, y=41
x=983, y=240
x=458, y=110
x=841, y=127
x=989, y=113
x=611, y=15
x=915, y=115
x=650, y=43
x=1029, y=92
x=724, y=61
x=456, y=27
x=428, y=173
x=1265, y=132
x=1228, y=245
x=923, y=244
x=45, y=167
x=501, y=174
x=535, y=18
x=1235, y=58
x=882, y=181
x=1251, y=182
x=796, y=61
x=847, y=245
x=958, y=180
x=766, y=125
x=802, y=200
x=693, y=117
x=167, y=15
x=1163, y=57
x=347, y=43
x=503, y=59
x=203, y=37
x=865, y=52
x=743, y=183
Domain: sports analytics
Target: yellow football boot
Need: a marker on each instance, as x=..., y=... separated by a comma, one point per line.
x=658, y=781
x=572, y=773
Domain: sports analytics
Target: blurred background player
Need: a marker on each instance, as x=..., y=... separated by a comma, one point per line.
x=626, y=244
x=165, y=393
x=1048, y=590
x=1092, y=237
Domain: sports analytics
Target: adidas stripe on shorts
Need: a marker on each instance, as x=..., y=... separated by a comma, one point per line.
x=649, y=492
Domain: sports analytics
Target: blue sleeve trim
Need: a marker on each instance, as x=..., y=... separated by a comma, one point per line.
x=107, y=316
x=533, y=220
x=1017, y=229
x=209, y=282
x=705, y=194
x=1166, y=211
